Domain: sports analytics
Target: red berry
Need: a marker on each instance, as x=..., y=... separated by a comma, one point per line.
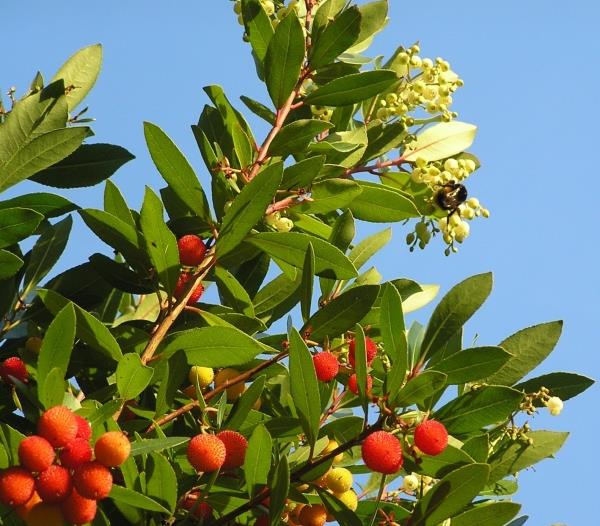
x=382, y=452
x=371, y=351
x=36, y=453
x=16, y=486
x=76, y=453
x=184, y=279
x=201, y=511
x=112, y=449
x=235, y=448
x=93, y=480
x=206, y=453
x=58, y=425
x=431, y=437
x=84, y=429
x=191, y=250
x=78, y=510
x=326, y=366
x=353, y=383
x=13, y=367
x=54, y=484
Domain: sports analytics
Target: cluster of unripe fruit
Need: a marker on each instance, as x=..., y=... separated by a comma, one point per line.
x=60, y=476
x=192, y=251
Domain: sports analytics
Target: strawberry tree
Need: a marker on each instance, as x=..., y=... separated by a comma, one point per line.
x=301, y=396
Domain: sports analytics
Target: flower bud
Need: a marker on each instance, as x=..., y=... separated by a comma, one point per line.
x=554, y=405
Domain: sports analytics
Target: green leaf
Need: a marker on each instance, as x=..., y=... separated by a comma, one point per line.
x=17, y=224
x=290, y=247
x=258, y=108
x=360, y=361
x=373, y=19
x=40, y=153
x=304, y=387
x=378, y=203
x=296, y=136
x=343, y=515
x=418, y=389
x=257, y=462
x=132, y=376
x=302, y=174
x=440, y=141
x=258, y=27
x=49, y=205
x=244, y=404
x=488, y=513
x=472, y=364
x=352, y=88
x=143, y=447
x=277, y=298
x=88, y=165
x=161, y=244
x=343, y=231
x=478, y=447
x=440, y=465
x=383, y=138
x=337, y=37
x=232, y=292
x=248, y=208
x=518, y=455
x=53, y=390
x=161, y=481
x=280, y=486
x=79, y=73
x=306, y=287
x=176, y=170
x=563, y=385
x=450, y=495
x=120, y=276
x=329, y=195
x=528, y=347
x=176, y=371
x=284, y=58
x=115, y=204
x=391, y=321
x=479, y=408
x=342, y=313
x=11, y=438
x=368, y=247
x=135, y=499
x=326, y=14
x=213, y=346
x=454, y=311
x=9, y=264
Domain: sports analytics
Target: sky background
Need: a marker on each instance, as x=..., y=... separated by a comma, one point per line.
x=531, y=76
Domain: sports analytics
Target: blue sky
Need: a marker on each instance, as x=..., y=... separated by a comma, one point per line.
x=531, y=73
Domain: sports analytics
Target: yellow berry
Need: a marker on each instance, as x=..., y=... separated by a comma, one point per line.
x=203, y=375
x=332, y=444
x=233, y=392
x=349, y=499
x=339, y=480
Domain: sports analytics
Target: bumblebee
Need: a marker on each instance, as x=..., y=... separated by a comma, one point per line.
x=450, y=196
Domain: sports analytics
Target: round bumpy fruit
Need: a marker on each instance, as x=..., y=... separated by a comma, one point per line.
x=339, y=480
x=44, y=514
x=235, y=448
x=112, y=449
x=36, y=453
x=58, y=425
x=235, y=391
x=93, y=481
x=84, y=429
x=431, y=437
x=16, y=486
x=201, y=511
x=78, y=510
x=371, y=348
x=314, y=515
x=326, y=366
x=331, y=446
x=191, y=250
x=54, y=484
x=353, y=383
x=184, y=279
x=23, y=510
x=349, y=499
x=76, y=453
x=13, y=367
x=382, y=452
x=206, y=453
x=203, y=375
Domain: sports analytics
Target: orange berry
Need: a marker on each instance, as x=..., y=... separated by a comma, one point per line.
x=76, y=453
x=313, y=515
x=235, y=390
x=44, y=514
x=382, y=452
x=93, y=480
x=23, y=510
x=16, y=486
x=36, y=453
x=54, y=484
x=58, y=425
x=112, y=449
x=206, y=453
x=84, y=429
x=235, y=448
x=78, y=510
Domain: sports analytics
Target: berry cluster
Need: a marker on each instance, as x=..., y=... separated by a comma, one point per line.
x=192, y=251
x=60, y=475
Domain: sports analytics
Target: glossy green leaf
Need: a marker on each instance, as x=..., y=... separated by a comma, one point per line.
x=442, y=140
x=120, y=276
x=373, y=20
x=132, y=376
x=115, y=204
x=391, y=321
x=528, y=347
x=17, y=224
x=258, y=108
x=284, y=58
x=336, y=38
x=232, y=292
x=455, y=309
x=329, y=195
x=244, y=404
x=418, y=389
x=88, y=165
x=290, y=247
x=306, y=287
x=280, y=486
x=479, y=408
x=368, y=247
x=360, y=366
x=176, y=371
x=343, y=231
x=563, y=385
x=161, y=481
x=135, y=499
x=145, y=446
x=343, y=515
x=383, y=138
x=489, y=513
x=296, y=136
x=477, y=447
x=277, y=298
x=53, y=390
x=352, y=88
x=326, y=14
x=248, y=208
x=49, y=205
x=440, y=465
x=9, y=264
x=304, y=387
x=257, y=462
x=342, y=313
x=258, y=27
x=472, y=364
x=382, y=204
x=176, y=170
x=161, y=244
x=302, y=174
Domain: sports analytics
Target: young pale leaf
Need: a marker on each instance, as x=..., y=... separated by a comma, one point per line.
x=137, y=500
x=280, y=487
x=161, y=244
x=391, y=325
x=368, y=247
x=248, y=208
x=440, y=141
x=284, y=59
x=296, y=136
x=489, y=513
x=132, y=376
x=454, y=311
x=232, y=292
x=563, y=385
x=528, y=347
x=418, y=389
x=378, y=203
x=258, y=27
x=306, y=288
x=17, y=224
x=420, y=298
x=257, y=462
x=89, y=165
x=9, y=264
x=304, y=387
x=161, y=481
x=472, y=364
x=290, y=247
x=352, y=88
x=176, y=170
